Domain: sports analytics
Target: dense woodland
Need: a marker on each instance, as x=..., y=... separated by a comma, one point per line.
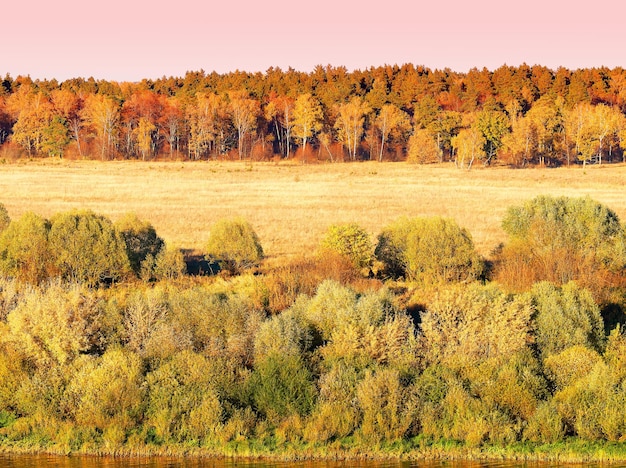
x=412, y=344
x=516, y=115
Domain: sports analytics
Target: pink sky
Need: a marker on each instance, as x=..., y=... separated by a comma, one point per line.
x=128, y=40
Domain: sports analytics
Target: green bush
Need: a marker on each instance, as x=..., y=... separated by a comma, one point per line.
x=86, y=248
x=54, y=325
x=566, y=316
x=169, y=264
x=546, y=425
x=465, y=324
x=387, y=408
x=430, y=250
x=284, y=334
x=182, y=402
x=108, y=391
x=351, y=241
x=560, y=240
x=333, y=417
x=24, y=249
x=234, y=245
x=5, y=220
x=140, y=238
x=282, y=386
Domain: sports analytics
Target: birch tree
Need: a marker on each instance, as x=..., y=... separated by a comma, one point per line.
x=389, y=119
x=307, y=119
x=244, y=112
x=102, y=114
x=350, y=124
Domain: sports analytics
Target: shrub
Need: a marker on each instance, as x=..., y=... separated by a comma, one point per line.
x=221, y=325
x=566, y=316
x=351, y=241
x=514, y=385
x=387, y=408
x=56, y=324
x=86, y=248
x=234, y=245
x=108, y=390
x=182, y=402
x=570, y=365
x=284, y=334
x=468, y=323
x=428, y=250
x=169, y=264
x=5, y=220
x=592, y=406
x=560, y=240
x=546, y=425
x=336, y=414
x=282, y=386
x=24, y=249
x=422, y=148
x=140, y=238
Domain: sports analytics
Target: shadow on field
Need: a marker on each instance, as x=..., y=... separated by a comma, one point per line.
x=198, y=265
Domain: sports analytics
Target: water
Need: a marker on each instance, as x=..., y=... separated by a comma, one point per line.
x=47, y=461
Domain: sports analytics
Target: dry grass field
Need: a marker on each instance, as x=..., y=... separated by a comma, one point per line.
x=290, y=204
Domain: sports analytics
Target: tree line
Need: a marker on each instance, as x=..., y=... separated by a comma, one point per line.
x=400, y=345
x=518, y=115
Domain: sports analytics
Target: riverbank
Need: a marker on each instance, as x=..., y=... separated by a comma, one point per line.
x=571, y=451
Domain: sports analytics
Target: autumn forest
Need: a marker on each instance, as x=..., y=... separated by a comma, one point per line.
x=525, y=115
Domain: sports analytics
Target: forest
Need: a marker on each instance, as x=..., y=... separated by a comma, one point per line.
x=518, y=116
x=412, y=345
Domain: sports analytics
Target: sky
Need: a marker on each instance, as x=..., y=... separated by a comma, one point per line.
x=128, y=40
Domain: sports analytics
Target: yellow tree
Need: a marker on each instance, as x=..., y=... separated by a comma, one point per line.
x=468, y=145
x=422, y=147
x=620, y=133
x=32, y=113
x=307, y=119
x=244, y=113
x=605, y=120
x=279, y=111
x=207, y=118
x=102, y=114
x=143, y=136
x=521, y=143
x=390, y=119
x=350, y=123
x=68, y=105
x=546, y=119
x=171, y=124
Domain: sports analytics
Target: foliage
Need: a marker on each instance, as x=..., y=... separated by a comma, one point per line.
x=140, y=238
x=234, y=244
x=281, y=386
x=467, y=324
x=169, y=264
x=182, y=403
x=350, y=240
x=24, y=249
x=555, y=117
x=566, y=316
x=388, y=409
x=55, y=325
x=86, y=248
x=108, y=391
x=5, y=220
x=430, y=250
x=560, y=240
x=422, y=148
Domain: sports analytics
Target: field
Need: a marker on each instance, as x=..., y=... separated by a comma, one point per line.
x=291, y=204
